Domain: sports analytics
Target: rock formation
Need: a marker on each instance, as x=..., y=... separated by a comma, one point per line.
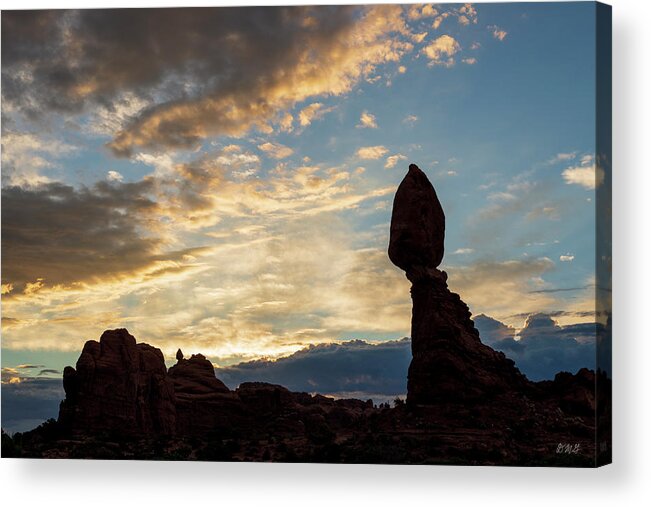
x=417, y=225
x=121, y=388
x=118, y=385
x=466, y=403
x=449, y=361
x=200, y=396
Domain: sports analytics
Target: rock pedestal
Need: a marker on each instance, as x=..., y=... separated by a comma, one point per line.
x=449, y=361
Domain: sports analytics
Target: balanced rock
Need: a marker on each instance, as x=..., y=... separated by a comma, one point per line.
x=449, y=362
x=118, y=386
x=417, y=225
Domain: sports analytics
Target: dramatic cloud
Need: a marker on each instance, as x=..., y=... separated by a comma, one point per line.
x=542, y=348
x=210, y=71
x=356, y=368
x=492, y=330
x=442, y=51
x=55, y=235
x=371, y=152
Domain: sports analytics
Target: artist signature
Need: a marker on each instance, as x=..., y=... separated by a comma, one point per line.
x=568, y=448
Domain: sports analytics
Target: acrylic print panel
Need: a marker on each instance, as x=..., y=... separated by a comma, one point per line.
x=347, y=234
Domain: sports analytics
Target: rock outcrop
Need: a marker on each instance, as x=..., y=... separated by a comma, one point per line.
x=119, y=385
x=121, y=388
x=449, y=361
x=202, y=399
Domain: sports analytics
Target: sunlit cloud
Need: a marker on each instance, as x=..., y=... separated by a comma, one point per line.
x=114, y=176
x=393, y=160
x=420, y=11
x=439, y=19
x=371, y=152
x=276, y=150
x=28, y=157
x=588, y=174
x=312, y=112
x=503, y=289
x=442, y=51
x=367, y=121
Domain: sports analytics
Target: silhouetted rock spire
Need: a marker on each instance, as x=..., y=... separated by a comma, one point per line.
x=449, y=362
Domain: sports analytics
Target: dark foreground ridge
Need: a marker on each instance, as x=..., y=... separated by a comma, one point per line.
x=466, y=403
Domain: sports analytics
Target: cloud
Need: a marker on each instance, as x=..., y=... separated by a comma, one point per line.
x=492, y=330
x=463, y=251
x=393, y=160
x=114, y=176
x=26, y=157
x=28, y=403
x=542, y=348
x=420, y=11
x=469, y=61
x=276, y=150
x=439, y=19
x=215, y=73
x=368, y=369
x=566, y=258
x=312, y=112
x=467, y=14
x=367, y=120
x=371, y=152
x=497, y=32
x=49, y=371
x=410, y=119
x=503, y=288
x=54, y=234
x=587, y=174
x=110, y=257
x=562, y=157
x=442, y=50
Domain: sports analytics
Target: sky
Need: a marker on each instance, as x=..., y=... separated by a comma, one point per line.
x=221, y=180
